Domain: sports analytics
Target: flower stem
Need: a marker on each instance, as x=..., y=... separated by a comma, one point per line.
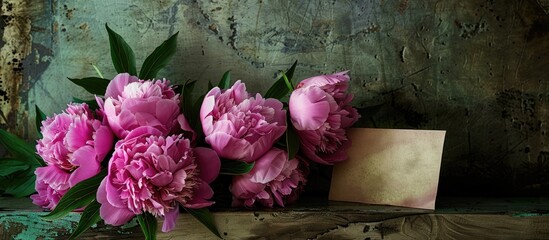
x=97, y=71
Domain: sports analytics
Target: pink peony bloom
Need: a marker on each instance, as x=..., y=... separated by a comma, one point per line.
x=241, y=127
x=272, y=179
x=152, y=173
x=73, y=145
x=131, y=103
x=51, y=184
x=320, y=112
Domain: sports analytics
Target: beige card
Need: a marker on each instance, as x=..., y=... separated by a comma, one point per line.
x=390, y=167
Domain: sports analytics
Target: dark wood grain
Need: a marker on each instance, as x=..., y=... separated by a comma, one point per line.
x=524, y=218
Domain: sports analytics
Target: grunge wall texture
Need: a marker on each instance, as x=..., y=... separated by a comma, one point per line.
x=476, y=68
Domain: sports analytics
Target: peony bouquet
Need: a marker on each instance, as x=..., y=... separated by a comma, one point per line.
x=146, y=148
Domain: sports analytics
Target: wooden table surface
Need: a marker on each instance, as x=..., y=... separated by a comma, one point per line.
x=455, y=218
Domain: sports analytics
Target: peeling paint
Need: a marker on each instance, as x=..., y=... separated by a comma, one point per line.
x=18, y=45
x=31, y=226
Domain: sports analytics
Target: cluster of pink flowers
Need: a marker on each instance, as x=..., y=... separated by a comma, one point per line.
x=154, y=165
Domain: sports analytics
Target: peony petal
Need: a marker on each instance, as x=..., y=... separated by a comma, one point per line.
x=205, y=113
x=52, y=175
x=201, y=196
x=103, y=142
x=243, y=188
x=349, y=119
x=112, y=193
x=208, y=163
x=162, y=179
x=88, y=166
x=126, y=120
x=268, y=166
x=185, y=126
x=143, y=131
x=78, y=134
x=112, y=118
x=170, y=219
x=280, y=115
x=229, y=147
x=116, y=85
x=167, y=110
x=238, y=92
x=109, y=213
x=323, y=80
x=309, y=108
x=225, y=126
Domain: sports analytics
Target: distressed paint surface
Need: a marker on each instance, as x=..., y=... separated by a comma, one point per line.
x=476, y=218
x=474, y=68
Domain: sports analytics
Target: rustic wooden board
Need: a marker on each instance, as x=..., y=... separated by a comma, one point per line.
x=456, y=219
x=474, y=68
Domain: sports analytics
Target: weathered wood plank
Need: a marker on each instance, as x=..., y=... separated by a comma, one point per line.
x=456, y=219
x=330, y=225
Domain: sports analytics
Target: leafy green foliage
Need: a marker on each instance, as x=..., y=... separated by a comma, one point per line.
x=148, y=224
x=204, y=216
x=186, y=98
x=17, y=171
x=194, y=120
x=230, y=167
x=93, y=85
x=20, y=149
x=91, y=103
x=283, y=86
x=78, y=196
x=40, y=116
x=20, y=183
x=225, y=81
x=89, y=217
x=9, y=166
x=122, y=54
x=159, y=58
x=292, y=139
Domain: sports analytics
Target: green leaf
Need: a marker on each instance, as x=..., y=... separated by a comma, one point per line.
x=20, y=149
x=194, y=117
x=89, y=217
x=205, y=217
x=148, y=225
x=186, y=98
x=9, y=166
x=283, y=85
x=225, y=81
x=122, y=55
x=78, y=196
x=159, y=58
x=210, y=85
x=292, y=139
x=21, y=184
x=91, y=103
x=230, y=167
x=40, y=116
x=93, y=85
x=290, y=72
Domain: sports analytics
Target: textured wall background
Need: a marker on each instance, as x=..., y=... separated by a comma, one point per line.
x=476, y=68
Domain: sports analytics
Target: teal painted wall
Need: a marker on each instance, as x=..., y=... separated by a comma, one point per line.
x=474, y=68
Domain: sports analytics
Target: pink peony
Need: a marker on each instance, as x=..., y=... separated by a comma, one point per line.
x=131, y=103
x=241, y=127
x=73, y=145
x=272, y=179
x=152, y=173
x=51, y=184
x=320, y=112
